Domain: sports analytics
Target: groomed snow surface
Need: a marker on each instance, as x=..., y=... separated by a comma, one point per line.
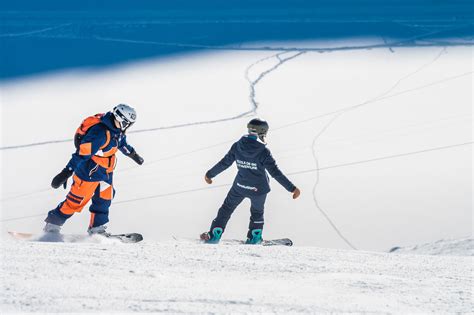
x=459, y=247
x=185, y=277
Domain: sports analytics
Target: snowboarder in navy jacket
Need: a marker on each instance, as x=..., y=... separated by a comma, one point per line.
x=253, y=160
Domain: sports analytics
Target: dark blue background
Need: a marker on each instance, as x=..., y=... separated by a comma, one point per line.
x=78, y=28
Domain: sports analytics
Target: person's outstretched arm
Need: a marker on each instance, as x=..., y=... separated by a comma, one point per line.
x=221, y=166
x=129, y=151
x=278, y=175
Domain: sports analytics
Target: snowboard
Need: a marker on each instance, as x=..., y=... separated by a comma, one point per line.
x=275, y=242
x=280, y=241
x=76, y=238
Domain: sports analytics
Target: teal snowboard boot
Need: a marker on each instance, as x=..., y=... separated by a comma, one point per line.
x=254, y=237
x=212, y=237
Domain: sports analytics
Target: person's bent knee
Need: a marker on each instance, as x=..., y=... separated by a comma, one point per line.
x=70, y=207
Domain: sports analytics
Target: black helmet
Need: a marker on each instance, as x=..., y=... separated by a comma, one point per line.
x=258, y=127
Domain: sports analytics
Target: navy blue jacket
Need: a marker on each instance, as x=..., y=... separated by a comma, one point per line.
x=252, y=158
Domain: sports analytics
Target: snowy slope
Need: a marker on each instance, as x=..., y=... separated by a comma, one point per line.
x=184, y=277
x=390, y=131
x=459, y=247
x=370, y=113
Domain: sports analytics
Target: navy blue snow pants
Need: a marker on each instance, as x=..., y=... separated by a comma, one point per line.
x=233, y=199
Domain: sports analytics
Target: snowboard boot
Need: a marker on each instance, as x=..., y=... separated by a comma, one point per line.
x=51, y=228
x=212, y=237
x=52, y=233
x=254, y=237
x=98, y=230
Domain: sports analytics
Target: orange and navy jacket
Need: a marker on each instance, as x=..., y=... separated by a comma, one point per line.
x=95, y=158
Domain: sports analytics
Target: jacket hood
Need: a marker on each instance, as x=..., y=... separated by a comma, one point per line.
x=250, y=147
x=108, y=121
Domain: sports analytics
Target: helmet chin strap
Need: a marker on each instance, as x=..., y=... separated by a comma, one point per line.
x=118, y=125
x=126, y=128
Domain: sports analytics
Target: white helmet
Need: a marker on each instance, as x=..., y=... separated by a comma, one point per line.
x=125, y=115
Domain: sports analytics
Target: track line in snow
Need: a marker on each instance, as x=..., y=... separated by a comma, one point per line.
x=333, y=119
x=205, y=122
x=434, y=83
x=274, y=129
x=253, y=83
x=389, y=47
x=254, y=103
x=388, y=157
x=342, y=110
x=44, y=30
x=37, y=192
x=420, y=87
x=315, y=199
x=190, y=124
x=409, y=42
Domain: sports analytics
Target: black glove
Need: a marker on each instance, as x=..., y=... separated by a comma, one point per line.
x=134, y=156
x=61, y=178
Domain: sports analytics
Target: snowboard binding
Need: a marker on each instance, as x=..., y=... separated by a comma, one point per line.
x=254, y=237
x=212, y=237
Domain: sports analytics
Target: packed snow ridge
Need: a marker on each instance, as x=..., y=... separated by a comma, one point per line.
x=455, y=247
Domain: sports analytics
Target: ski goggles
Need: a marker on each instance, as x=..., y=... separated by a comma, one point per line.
x=122, y=120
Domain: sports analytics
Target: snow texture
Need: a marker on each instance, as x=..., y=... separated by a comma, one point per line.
x=458, y=247
x=185, y=277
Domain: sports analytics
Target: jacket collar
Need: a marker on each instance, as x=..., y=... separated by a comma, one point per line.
x=254, y=137
x=108, y=121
